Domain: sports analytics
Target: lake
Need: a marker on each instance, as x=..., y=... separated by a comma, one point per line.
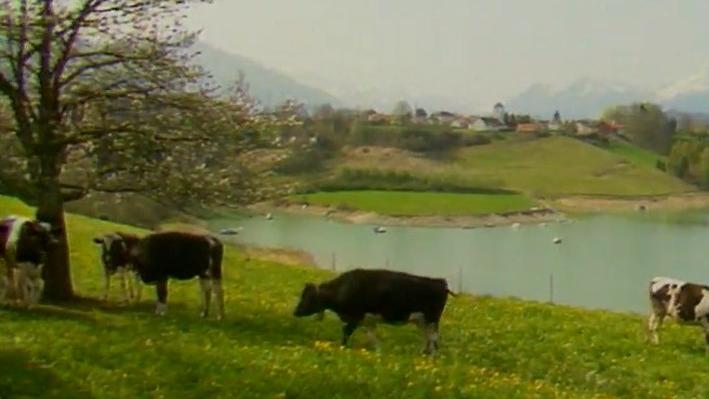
x=603, y=262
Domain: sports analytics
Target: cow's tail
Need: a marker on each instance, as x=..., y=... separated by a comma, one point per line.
x=451, y=293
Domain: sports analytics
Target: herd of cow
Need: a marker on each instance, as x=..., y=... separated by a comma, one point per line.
x=358, y=297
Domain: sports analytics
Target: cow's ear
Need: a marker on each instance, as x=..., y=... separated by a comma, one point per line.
x=98, y=240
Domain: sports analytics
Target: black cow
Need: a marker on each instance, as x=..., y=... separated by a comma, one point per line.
x=23, y=248
x=115, y=256
x=394, y=297
x=171, y=254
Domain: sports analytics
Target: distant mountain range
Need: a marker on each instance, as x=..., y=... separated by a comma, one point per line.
x=269, y=86
x=587, y=98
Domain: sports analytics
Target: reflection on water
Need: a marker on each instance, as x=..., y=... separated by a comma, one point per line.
x=603, y=261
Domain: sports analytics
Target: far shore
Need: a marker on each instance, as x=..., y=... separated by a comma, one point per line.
x=537, y=215
x=552, y=210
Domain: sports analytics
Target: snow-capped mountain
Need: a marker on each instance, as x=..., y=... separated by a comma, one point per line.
x=689, y=95
x=583, y=98
x=587, y=98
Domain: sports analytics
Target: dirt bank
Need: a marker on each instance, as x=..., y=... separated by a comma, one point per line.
x=668, y=203
x=466, y=221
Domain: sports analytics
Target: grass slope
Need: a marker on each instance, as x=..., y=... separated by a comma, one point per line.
x=635, y=154
x=403, y=203
x=491, y=348
x=558, y=166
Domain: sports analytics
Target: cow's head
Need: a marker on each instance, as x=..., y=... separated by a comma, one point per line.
x=116, y=249
x=35, y=238
x=310, y=302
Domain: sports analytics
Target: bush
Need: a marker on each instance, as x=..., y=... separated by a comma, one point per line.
x=477, y=139
x=302, y=161
x=375, y=179
x=661, y=165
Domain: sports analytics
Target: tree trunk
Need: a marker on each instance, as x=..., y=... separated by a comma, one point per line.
x=50, y=209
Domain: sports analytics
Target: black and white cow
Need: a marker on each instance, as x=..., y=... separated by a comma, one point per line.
x=23, y=248
x=392, y=297
x=115, y=256
x=158, y=257
x=682, y=301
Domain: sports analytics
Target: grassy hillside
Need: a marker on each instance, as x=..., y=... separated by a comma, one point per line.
x=552, y=166
x=562, y=166
x=491, y=348
x=398, y=203
x=635, y=154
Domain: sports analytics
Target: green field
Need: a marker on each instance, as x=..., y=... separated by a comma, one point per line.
x=490, y=348
x=558, y=166
x=635, y=154
x=404, y=203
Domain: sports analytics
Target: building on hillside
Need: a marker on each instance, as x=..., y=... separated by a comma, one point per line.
x=461, y=123
x=498, y=112
x=484, y=123
x=554, y=126
x=443, y=117
x=610, y=127
x=378, y=118
x=530, y=128
x=586, y=127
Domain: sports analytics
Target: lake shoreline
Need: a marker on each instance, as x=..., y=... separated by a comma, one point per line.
x=532, y=216
x=550, y=211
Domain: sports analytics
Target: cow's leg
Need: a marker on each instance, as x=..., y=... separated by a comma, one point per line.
x=705, y=326
x=20, y=284
x=3, y=289
x=107, y=285
x=653, y=325
x=124, y=288
x=371, y=325
x=161, y=307
x=205, y=288
x=129, y=282
x=138, y=285
x=10, y=293
x=218, y=296
x=347, y=329
x=430, y=337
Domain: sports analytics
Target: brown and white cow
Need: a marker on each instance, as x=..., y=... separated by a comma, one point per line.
x=682, y=301
x=160, y=256
x=23, y=247
x=115, y=256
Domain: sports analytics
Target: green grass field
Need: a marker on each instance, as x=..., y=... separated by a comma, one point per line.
x=490, y=348
x=558, y=166
x=404, y=203
x=635, y=154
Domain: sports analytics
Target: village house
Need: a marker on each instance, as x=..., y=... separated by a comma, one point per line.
x=443, y=117
x=484, y=124
x=530, y=128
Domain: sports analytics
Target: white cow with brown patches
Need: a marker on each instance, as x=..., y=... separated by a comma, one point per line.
x=682, y=301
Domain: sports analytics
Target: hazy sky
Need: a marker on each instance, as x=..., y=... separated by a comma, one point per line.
x=467, y=52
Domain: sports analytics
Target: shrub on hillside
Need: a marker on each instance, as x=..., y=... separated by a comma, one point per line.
x=389, y=180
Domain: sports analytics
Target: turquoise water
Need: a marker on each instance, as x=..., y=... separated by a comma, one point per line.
x=602, y=262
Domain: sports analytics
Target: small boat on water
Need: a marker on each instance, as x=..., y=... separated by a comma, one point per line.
x=380, y=229
x=230, y=231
